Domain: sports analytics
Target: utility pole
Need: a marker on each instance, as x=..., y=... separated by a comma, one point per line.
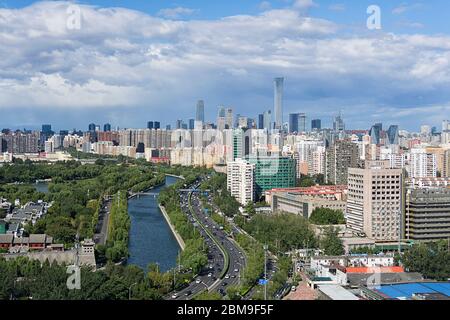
x=265, y=271
x=174, y=278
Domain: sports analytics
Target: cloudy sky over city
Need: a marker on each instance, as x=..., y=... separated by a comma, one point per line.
x=134, y=61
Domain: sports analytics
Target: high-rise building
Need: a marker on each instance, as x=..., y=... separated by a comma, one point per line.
x=268, y=120
x=21, y=142
x=278, y=102
x=179, y=124
x=338, y=123
x=445, y=135
x=393, y=135
x=316, y=124
x=150, y=125
x=375, y=133
x=446, y=166
x=200, y=112
x=374, y=202
x=243, y=122
x=261, y=121
x=273, y=172
x=221, y=116
x=47, y=128
x=427, y=214
x=240, y=180
x=229, y=118
x=302, y=123
x=340, y=156
x=191, y=124
x=224, y=118
x=92, y=127
x=107, y=127
x=238, y=142
x=293, y=122
x=422, y=164
x=157, y=125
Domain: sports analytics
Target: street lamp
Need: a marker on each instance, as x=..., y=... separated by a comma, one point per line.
x=129, y=290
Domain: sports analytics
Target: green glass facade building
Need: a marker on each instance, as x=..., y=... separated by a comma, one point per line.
x=273, y=172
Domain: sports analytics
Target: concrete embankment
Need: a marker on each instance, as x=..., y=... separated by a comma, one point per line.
x=175, y=233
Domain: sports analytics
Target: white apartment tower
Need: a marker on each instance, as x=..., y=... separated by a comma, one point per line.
x=374, y=203
x=240, y=180
x=422, y=164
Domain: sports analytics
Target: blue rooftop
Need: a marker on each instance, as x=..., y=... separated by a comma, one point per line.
x=405, y=291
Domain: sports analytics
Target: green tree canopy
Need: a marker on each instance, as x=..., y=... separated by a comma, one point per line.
x=330, y=243
x=325, y=216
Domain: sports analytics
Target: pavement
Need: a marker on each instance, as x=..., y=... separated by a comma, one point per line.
x=303, y=291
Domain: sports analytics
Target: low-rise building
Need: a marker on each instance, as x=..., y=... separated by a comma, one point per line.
x=304, y=205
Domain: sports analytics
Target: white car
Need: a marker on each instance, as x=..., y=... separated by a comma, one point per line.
x=174, y=296
x=227, y=276
x=198, y=281
x=209, y=275
x=236, y=270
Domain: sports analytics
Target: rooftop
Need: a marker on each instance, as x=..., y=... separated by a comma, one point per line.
x=407, y=290
x=336, y=292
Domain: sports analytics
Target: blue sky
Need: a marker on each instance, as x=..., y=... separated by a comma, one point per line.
x=126, y=67
x=431, y=14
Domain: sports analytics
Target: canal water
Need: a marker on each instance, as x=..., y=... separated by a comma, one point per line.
x=151, y=240
x=41, y=187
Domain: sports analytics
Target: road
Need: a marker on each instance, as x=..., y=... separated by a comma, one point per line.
x=221, y=249
x=101, y=234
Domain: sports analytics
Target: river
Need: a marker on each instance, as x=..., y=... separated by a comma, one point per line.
x=151, y=240
x=41, y=186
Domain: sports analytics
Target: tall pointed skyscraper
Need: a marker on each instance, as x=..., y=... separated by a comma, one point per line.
x=278, y=102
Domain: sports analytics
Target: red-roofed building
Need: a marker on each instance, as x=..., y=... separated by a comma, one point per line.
x=338, y=192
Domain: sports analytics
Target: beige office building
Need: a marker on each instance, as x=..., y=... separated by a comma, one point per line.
x=374, y=202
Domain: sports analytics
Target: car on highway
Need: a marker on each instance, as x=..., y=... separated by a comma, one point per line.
x=227, y=276
x=174, y=296
x=236, y=270
x=210, y=275
x=198, y=281
x=188, y=293
x=224, y=284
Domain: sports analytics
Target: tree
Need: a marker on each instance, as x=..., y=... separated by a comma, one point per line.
x=331, y=244
x=233, y=293
x=326, y=216
x=430, y=259
x=250, y=209
x=282, y=232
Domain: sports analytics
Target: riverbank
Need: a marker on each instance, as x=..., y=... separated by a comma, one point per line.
x=172, y=175
x=172, y=228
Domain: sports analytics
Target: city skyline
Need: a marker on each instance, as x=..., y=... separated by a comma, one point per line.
x=144, y=70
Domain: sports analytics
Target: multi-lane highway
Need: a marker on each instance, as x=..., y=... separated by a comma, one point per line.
x=225, y=258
